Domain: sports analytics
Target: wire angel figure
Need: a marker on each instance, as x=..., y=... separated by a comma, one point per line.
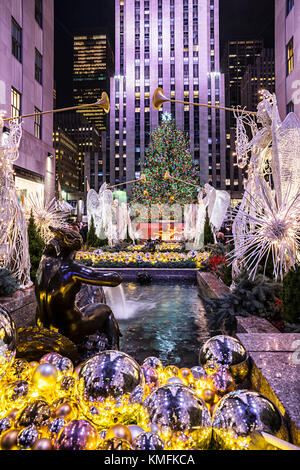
x=14, y=251
x=267, y=220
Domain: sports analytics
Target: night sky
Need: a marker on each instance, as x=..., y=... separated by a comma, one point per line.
x=239, y=19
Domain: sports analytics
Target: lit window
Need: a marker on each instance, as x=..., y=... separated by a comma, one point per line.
x=15, y=103
x=290, y=57
x=37, y=124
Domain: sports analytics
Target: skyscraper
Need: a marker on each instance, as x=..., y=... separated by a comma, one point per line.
x=258, y=76
x=92, y=68
x=26, y=87
x=287, y=56
x=173, y=44
x=237, y=56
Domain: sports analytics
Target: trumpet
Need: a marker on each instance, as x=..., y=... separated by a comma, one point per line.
x=102, y=103
x=159, y=99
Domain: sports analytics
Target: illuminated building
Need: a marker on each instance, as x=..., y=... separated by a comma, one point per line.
x=92, y=68
x=287, y=56
x=237, y=56
x=86, y=137
x=173, y=44
x=26, y=87
x=66, y=156
x=258, y=76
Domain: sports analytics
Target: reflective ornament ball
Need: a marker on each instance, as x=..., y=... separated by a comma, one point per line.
x=27, y=437
x=8, y=341
x=134, y=431
x=171, y=371
x=109, y=374
x=42, y=444
x=148, y=441
x=19, y=370
x=151, y=376
x=65, y=409
x=116, y=444
x=225, y=351
x=240, y=413
x=153, y=362
x=5, y=425
x=199, y=373
x=36, y=412
x=77, y=435
x=119, y=431
x=15, y=394
x=174, y=380
x=222, y=382
x=56, y=425
x=178, y=408
x=45, y=377
x=51, y=358
x=9, y=440
x=208, y=396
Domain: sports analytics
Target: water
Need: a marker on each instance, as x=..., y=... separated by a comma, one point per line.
x=165, y=320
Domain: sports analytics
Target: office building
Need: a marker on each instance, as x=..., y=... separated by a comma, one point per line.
x=173, y=44
x=287, y=56
x=26, y=87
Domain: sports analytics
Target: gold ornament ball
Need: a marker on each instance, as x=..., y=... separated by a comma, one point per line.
x=45, y=377
x=42, y=444
x=118, y=431
x=9, y=440
x=208, y=396
x=171, y=371
x=116, y=444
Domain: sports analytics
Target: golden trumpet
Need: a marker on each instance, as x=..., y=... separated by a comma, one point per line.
x=159, y=99
x=102, y=103
x=141, y=178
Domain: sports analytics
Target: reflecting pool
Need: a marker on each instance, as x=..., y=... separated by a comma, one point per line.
x=165, y=320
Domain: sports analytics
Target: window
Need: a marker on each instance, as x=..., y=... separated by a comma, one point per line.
x=38, y=66
x=15, y=103
x=289, y=6
x=16, y=36
x=290, y=57
x=37, y=124
x=38, y=12
x=290, y=107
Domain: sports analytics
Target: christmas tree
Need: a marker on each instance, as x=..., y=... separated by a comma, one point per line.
x=92, y=239
x=208, y=233
x=36, y=246
x=167, y=155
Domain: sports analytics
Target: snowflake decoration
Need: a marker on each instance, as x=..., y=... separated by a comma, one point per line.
x=268, y=229
x=45, y=214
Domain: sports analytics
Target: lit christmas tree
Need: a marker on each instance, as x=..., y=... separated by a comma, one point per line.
x=167, y=155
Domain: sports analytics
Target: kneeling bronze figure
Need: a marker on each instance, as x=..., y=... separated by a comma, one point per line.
x=59, y=279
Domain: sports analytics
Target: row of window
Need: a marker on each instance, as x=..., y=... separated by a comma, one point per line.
x=16, y=49
x=16, y=100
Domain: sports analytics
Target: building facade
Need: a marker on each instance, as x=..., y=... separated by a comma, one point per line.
x=258, y=77
x=287, y=56
x=237, y=56
x=93, y=63
x=66, y=168
x=26, y=87
x=86, y=137
x=173, y=44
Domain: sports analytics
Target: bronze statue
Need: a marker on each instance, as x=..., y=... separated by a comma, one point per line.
x=59, y=278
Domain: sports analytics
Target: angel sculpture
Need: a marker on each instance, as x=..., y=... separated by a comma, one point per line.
x=99, y=206
x=14, y=251
x=267, y=221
